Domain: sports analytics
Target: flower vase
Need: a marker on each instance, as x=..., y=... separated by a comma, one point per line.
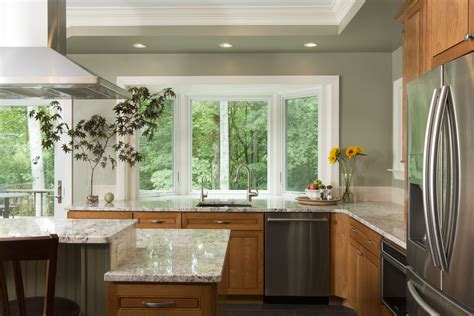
x=348, y=195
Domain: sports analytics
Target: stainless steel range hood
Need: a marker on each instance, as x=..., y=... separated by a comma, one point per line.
x=32, y=60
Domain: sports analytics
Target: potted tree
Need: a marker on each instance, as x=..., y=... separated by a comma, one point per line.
x=97, y=141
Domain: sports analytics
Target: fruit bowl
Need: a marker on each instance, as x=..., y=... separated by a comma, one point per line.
x=313, y=194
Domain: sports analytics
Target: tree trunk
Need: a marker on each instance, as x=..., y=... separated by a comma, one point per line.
x=36, y=158
x=224, y=146
x=215, y=166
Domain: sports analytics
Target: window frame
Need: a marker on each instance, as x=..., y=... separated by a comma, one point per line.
x=327, y=88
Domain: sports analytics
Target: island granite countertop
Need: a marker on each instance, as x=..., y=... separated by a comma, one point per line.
x=69, y=231
x=386, y=218
x=174, y=256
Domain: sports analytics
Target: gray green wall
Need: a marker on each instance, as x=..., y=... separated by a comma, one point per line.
x=397, y=72
x=365, y=95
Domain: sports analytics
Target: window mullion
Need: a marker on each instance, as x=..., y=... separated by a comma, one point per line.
x=224, y=145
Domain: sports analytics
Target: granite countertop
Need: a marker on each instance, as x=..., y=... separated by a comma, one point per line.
x=174, y=256
x=386, y=218
x=71, y=231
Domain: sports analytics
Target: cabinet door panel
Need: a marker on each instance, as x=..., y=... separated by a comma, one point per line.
x=243, y=271
x=371, y=285
x=449, y=22
x=354, y=276
x=339, y=250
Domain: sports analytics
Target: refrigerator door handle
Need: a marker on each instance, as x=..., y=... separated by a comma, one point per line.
x=419, y=300
x=426, y=179
x=455, y=176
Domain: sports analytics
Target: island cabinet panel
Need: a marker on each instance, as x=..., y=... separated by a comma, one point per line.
x=148, y=299
x=243, y=268
x=339, y=252
x=158, y=219
x=99, y=215
x=363, y=271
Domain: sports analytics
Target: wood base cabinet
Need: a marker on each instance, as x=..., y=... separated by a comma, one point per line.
x=243, y=269
x=147, y=299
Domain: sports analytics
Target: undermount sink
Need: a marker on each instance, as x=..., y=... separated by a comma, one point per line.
x=222, y=204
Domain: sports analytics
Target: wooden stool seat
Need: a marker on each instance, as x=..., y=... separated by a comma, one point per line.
x=35, y=306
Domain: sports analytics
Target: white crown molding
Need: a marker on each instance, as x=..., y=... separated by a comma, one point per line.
x=199, y=15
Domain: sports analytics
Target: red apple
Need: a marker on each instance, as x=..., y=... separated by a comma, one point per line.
x=313, y=187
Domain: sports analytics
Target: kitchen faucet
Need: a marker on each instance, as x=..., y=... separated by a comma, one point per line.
x=250, y=193
x=203, y=195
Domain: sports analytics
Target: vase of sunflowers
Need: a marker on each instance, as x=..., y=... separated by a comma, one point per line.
x=347, y=161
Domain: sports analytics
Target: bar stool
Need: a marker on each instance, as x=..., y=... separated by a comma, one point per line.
x=29, y=249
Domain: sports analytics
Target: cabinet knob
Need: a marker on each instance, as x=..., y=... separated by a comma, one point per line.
x=370, y=241
x=359, y=253
x=353, y=229
x=468, y=37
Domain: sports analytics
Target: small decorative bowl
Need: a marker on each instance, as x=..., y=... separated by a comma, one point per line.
x=313, y=194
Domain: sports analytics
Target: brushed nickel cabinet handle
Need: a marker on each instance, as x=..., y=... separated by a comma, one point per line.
x=222, y=222
x=468, y=37
x=159, y=305
x=370, y=241
x=354, y=229
x=158, y=221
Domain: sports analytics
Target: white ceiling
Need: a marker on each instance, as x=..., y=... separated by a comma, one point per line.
x=199, y=3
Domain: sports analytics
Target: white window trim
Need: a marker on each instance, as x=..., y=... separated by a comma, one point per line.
x=327, y=86
x=398, y=168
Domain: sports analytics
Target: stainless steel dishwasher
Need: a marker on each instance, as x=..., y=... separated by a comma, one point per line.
x=296, y=255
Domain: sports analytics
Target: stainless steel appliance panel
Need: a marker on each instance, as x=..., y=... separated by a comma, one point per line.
x=458, y=280
x=394, y=283
x=425, y=300
x=423, y=95
x=297, y=254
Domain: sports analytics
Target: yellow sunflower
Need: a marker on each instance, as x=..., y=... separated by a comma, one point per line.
x=359, y=150
x=332, y=158
x=351, y=151
x=335, y=151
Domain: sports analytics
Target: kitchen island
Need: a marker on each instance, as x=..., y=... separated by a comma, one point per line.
x=87, y=250
x=170, y=271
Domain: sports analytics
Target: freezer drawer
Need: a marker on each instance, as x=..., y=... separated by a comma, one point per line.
x=297, y=254
x=425, y=300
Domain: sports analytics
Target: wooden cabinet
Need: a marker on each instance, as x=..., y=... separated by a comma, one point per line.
x=363, y=271
x=450, y=23
x=158, y=219
x=98, y=215
x=243, y=269
x=140, y=299
x=339, y=249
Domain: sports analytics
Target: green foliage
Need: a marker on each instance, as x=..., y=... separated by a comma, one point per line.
x=302, y=142
x=91, y=140
x=15, y=159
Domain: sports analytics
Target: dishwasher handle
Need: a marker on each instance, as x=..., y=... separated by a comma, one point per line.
x=296, y=220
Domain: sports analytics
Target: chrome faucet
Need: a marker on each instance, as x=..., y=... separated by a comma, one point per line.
x=250, y=193
x=203, y=194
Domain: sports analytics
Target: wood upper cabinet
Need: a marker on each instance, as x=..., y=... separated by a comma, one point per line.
x=449, y=23
x=243, y=269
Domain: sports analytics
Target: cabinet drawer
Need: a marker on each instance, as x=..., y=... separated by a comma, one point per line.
x=139, y=299
x=158, y=303
x=158, y=219
x=99, y=215
x=365, y=236
x=233, y=221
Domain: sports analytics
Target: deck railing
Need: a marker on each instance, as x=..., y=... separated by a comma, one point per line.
x=37, y=203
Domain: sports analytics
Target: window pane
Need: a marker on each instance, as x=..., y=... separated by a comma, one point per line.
x=156, y=169
x=301, y=142
x=248, y=142
x=226, y=134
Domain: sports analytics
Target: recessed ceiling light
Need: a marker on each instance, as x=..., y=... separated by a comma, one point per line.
x=226, y=45
x=310, y=45
x=139, y=45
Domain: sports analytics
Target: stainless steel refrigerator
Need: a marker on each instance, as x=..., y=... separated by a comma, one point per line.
x=440, y=276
